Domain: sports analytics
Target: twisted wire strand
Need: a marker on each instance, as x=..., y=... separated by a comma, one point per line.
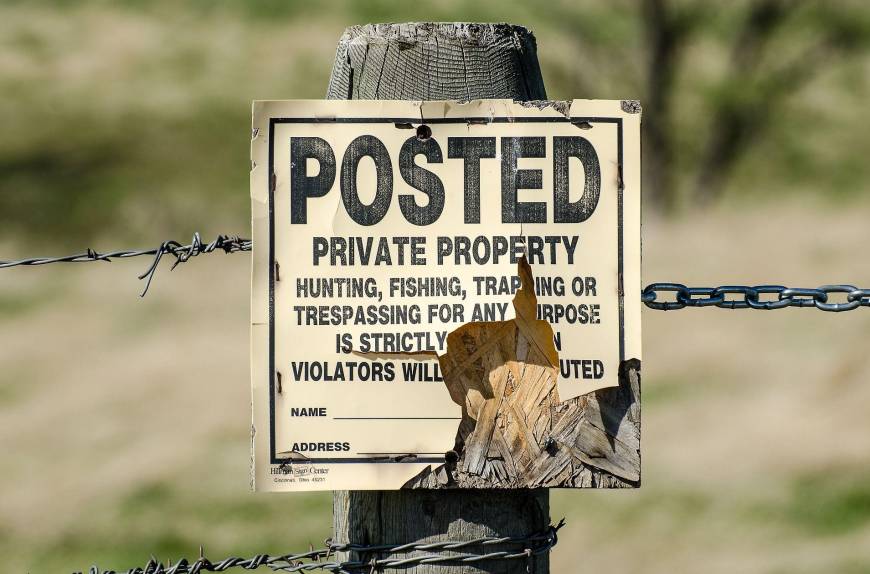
x=319, y=559
x=182, y=254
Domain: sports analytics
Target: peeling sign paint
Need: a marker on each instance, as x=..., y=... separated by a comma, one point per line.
x=515, y=432
x=561, y=106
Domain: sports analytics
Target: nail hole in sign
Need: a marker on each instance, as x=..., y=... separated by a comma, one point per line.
x=424, y=132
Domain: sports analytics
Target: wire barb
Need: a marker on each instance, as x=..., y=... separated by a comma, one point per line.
x=383, y=556
x=182, y=254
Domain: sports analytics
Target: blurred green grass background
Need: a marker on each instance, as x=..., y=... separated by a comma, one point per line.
x=124, y=423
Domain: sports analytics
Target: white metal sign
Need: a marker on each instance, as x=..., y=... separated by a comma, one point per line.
x=380, y=228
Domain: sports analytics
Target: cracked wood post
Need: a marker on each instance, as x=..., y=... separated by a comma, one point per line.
x=422, y=61
x=439, y=62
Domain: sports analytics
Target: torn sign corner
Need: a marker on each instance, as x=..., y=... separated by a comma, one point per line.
x=631, y=106
x=515, y=432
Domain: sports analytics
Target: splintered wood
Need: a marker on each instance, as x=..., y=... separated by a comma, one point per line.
x=515, y=432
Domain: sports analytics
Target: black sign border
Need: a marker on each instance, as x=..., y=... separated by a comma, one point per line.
x=466, y=120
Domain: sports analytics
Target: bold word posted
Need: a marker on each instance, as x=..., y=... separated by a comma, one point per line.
x=380, y=227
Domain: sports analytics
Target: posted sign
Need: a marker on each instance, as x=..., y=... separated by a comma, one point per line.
x=381, y=228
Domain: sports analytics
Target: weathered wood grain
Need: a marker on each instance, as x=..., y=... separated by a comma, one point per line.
x=515, y=431
x=443, y=61
x=401, y=516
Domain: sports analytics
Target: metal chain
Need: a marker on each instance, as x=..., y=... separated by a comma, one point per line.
x=527, y=547
x=764, y=297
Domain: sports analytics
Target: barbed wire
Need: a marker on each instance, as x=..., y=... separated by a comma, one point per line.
x=760, y=297
x=182, y=253
x=526, y=547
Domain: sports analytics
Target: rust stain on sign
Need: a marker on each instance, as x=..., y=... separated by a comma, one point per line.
x=515, y=432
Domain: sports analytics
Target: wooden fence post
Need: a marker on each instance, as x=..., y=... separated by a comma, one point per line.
x=424, y=61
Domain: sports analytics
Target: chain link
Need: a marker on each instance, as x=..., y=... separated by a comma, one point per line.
x=765, y=297
x=386, y=556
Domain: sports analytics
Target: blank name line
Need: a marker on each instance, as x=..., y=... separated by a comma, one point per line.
x=396, y=418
